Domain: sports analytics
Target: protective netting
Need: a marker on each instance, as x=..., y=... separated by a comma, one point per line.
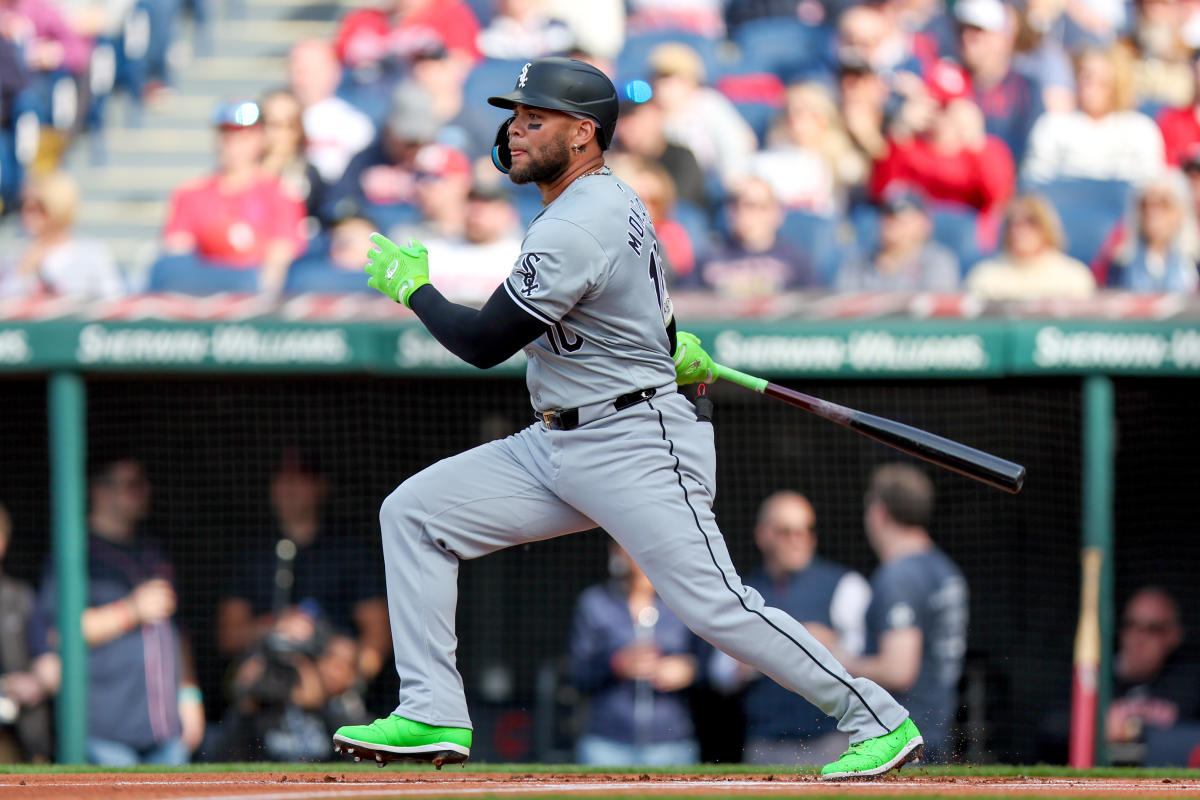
x=210, y=445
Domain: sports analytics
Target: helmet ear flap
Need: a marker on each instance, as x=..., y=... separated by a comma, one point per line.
x=501, y=155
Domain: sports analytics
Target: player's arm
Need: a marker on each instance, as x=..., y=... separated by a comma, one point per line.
x=482, y=337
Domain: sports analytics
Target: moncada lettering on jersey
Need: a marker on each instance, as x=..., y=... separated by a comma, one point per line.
x=859, y=351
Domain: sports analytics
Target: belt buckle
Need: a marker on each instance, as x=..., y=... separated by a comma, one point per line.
x=550, y=417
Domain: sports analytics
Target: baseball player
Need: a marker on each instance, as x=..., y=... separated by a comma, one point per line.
x=614, y=445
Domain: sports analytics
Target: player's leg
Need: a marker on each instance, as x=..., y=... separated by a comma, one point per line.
x=656, y=501
x=465, y=506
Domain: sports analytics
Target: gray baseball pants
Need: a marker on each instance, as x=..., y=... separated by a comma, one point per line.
x=646, y=476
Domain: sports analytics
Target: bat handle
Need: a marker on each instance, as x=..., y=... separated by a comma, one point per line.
x=749, y=381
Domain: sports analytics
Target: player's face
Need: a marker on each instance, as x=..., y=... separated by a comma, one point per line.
x=538, y=141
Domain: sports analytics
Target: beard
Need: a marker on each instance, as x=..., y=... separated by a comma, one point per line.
x=543, y=167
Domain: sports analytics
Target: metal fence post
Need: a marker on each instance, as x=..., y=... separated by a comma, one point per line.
x=68, y=504
x=1099, y=456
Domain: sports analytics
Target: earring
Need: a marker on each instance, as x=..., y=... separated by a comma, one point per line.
x=578, y=148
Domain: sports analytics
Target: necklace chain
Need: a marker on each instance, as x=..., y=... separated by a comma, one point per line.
x=601, y=170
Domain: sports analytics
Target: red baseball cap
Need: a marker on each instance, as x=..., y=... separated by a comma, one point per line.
x=442, y=161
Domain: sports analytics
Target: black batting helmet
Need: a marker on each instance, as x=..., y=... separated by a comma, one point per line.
x=566, y=84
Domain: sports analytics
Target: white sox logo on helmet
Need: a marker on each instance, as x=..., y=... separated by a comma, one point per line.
x=524, y=76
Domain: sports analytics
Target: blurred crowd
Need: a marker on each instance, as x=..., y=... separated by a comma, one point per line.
x=1014, y=150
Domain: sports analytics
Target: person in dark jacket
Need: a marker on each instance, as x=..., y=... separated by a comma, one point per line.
x=633, y=659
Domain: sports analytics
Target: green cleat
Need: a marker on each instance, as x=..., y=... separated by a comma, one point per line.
x=876, y=756
x=395, y=738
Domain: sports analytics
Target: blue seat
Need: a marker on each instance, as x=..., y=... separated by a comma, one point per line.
x=189, y=274
x=785, y=46
x=1088, y=210
x=695, y=221
x=632, y=60
x=957, y=229
x=759, y=116
x=490, y=77
x=314, y=273
x=817, y=237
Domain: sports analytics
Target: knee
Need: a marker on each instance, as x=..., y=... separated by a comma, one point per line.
x=399, y=509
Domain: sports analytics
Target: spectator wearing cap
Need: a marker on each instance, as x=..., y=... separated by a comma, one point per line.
x=906, y=258
x=1010, y=100
x=334, y=130
x=753, y=261
x=1181, y=126
x=382, y=178
x=1156, y=246
x=642, y=133
x=1105, y=138
x=938, y=143
x=285, y=152
x=443, y=192
x=523, y=29
x=443, y=183
x=368, y=37
x=1032, y=265
x=236, y=229
x=809, y=159
x=56, y=261
x=697, y=116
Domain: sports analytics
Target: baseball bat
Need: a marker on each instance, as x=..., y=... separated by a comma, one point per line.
x=981, y=466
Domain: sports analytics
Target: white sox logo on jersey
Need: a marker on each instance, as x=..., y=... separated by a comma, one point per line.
x=524, y=76
x=528, y=273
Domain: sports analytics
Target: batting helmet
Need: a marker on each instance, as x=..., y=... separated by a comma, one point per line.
x=561, y=84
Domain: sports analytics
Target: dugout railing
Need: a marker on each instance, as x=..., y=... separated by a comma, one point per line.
x=1095, y=399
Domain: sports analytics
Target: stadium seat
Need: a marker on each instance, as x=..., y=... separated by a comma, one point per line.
x=187, y=274
x=313, y=272
x=786, y=47
x=632, y=60
x=758, y=97
x=958, y=229
x=489, y=77
x=816, y=236
x=1088, y=210
x=695, y=221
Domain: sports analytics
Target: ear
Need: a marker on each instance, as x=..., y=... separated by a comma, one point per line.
x=584, y=133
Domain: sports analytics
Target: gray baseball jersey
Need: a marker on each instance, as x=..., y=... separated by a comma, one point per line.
x=589, y=269
x=645, y=474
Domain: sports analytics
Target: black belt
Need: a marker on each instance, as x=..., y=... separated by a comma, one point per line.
x=565, y=419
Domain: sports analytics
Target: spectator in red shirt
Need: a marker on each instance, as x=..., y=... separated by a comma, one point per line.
x=372, y=35
x=939, y=144
x=240, y=218
x=1181, y=126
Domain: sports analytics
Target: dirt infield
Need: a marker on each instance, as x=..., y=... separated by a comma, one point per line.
x=336, y=785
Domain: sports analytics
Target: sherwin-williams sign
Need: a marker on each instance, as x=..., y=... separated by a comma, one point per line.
x=779, y=348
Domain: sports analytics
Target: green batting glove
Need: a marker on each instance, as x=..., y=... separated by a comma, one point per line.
x=692, y=364
x=397, y=271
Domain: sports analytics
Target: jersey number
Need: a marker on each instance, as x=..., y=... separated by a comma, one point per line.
x=561, y=341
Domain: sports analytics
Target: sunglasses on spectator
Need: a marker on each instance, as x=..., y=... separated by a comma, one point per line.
x=1157, y=627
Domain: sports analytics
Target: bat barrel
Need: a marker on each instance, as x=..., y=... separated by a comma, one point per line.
x=977, y=464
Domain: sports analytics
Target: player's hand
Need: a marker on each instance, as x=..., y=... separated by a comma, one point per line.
x=397, y=271
x=692, y=364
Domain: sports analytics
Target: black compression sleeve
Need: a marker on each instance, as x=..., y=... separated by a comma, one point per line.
x=482, y=337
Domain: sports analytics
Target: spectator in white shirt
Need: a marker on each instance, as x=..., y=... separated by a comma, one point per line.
x=335, y=130
x=1104, y=138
